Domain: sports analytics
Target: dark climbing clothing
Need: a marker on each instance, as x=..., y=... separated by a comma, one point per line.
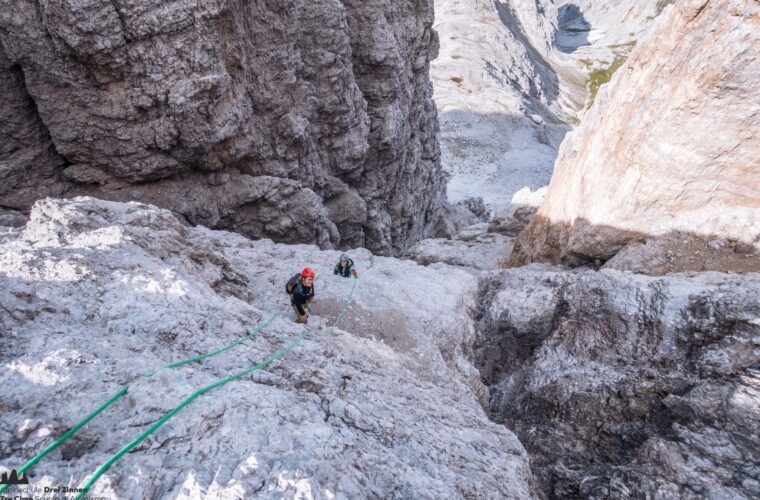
x=292, y=282
x=344, y=271
x=301, y=296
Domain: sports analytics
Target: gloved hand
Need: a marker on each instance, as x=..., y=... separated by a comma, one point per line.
x=353, y=271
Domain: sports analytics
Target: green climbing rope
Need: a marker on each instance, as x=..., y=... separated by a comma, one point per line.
x=103, y=468
x=66, y=436
x=223, y=349
x=124, y=390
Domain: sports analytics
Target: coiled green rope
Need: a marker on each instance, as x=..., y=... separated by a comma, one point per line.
x=103, y=468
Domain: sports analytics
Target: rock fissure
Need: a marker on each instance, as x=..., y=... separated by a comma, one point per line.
x=633, y=381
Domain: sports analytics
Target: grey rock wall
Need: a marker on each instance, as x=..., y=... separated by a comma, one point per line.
x=28, y=160
x=627, y=386
x=300, y=121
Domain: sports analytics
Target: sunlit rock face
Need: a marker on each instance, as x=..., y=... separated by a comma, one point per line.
x=303, y=121
x=501, y=106
x=95, y=294
x=513, y=76
x=669, y=147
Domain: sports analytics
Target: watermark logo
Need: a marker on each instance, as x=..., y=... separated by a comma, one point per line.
x=13, y=478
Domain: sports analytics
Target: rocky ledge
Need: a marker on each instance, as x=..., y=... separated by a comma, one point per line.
x=95, y=294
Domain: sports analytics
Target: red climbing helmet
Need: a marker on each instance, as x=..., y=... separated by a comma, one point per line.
x=307, y=273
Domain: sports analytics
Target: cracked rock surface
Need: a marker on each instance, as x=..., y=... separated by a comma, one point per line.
x=627, y=386
x=94, y=294
x=301, y=121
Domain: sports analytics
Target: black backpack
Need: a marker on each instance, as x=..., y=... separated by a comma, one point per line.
x=291, y=284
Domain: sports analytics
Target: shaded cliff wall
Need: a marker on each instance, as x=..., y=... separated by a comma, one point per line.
x=299, y=121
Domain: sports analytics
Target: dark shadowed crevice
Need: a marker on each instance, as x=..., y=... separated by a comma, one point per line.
x=630, y=380
x=31, y=165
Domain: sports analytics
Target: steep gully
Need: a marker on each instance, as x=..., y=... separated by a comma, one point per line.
x=619, y=385
x=679, y=391
x=624, y=385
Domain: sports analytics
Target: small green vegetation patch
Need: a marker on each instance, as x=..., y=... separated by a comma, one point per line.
x=661, y=4
x=627, y=46
x=601, y=76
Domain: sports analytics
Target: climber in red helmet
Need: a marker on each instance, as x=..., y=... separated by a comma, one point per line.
x=301, y=290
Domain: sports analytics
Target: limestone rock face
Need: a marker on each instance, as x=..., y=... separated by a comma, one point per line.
x=95, y=294
x=670, y=145
x=627, y=386
x=512, y=76
x=499, y=96
x=304, y=121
